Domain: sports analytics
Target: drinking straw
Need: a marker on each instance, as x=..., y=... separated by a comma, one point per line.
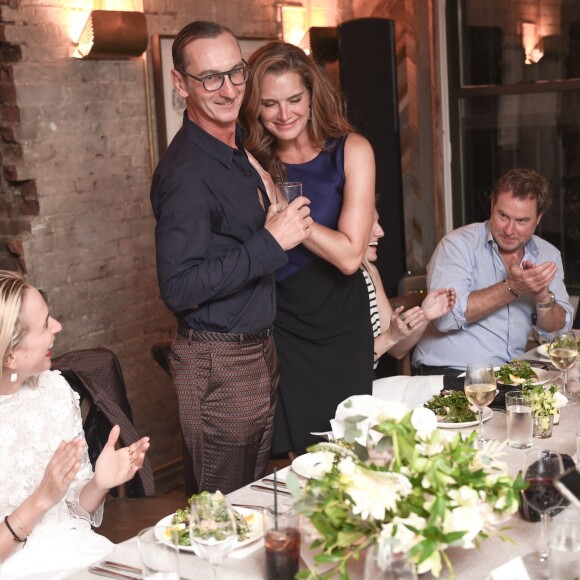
x=279, y=171
x=275, y=500
x=281, y=177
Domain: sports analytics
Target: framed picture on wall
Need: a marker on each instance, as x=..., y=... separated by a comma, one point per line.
x=169, y=105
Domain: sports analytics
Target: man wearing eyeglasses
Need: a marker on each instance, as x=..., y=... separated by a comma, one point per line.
x=218, y=242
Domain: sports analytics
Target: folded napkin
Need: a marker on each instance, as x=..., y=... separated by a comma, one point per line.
x=512, y=570
x=369, y=410
x=413, y=391
x=357, y=405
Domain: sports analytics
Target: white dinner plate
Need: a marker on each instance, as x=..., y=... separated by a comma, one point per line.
x=310, y=465
x=253, y=516
x=542, y=350
x=487, y=414
x=462, y=375
x=543, y=375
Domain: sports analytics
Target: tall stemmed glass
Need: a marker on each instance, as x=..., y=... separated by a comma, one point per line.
x=480, y=390
x=563, y=350
x=212, y=529
x=539, y=469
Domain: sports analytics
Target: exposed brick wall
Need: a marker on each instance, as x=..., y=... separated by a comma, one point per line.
x=74, y=199
x=18, y=198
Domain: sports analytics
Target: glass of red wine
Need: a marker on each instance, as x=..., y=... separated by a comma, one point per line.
x=540, y=468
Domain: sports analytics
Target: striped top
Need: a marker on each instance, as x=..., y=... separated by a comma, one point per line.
x=375, y=320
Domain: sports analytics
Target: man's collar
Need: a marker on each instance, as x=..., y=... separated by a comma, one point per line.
x=216, y=148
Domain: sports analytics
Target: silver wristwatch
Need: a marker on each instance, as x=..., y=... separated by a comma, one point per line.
x=549, y=304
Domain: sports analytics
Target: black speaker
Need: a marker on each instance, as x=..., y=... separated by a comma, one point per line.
x=323, y=43
x=368, y=77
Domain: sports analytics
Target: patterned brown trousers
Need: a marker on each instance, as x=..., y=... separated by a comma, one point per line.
x=227, y=397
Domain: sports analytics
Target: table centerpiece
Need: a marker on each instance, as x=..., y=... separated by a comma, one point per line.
x=392, y=479
x=545, y=402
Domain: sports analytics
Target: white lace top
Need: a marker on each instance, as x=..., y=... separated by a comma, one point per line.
x=33, y=422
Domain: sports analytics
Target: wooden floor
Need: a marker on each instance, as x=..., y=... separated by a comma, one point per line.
x=125, y=517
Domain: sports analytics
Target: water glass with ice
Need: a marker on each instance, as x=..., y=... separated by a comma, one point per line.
x=282, y=542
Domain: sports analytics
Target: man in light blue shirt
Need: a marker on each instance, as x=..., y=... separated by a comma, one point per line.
x=503, y=275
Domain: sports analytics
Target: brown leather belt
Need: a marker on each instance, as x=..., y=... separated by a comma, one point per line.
x=192, y=334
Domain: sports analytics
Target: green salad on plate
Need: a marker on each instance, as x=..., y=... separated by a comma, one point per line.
x=451, y=407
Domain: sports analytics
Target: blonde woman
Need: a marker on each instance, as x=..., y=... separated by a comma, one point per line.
x=49, y=495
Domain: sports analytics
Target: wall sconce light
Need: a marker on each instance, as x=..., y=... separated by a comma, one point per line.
x=532, y=42
x=112, y=34
x=291, y=20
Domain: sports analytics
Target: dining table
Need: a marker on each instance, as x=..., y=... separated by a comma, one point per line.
x=248, y=563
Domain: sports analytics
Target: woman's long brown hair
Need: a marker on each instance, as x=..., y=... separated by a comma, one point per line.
x=327, y=119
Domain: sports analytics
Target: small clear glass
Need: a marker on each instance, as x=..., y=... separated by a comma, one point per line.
x=159, y=559
x=282, y=539
x=564, y=544
x=287, y=192
x=383, y=564
x=519, y=420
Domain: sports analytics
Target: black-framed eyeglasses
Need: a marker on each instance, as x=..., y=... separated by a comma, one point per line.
x=215, y=81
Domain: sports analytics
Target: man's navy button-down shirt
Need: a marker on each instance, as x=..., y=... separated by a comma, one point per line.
x=215, y=260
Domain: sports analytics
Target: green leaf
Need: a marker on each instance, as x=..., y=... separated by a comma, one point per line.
x=452, y=537
x=349, y=538
x=327, y=558
x=293, y=484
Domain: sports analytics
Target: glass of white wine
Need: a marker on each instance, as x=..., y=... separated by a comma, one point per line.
x=480, y=390
x=563, y=350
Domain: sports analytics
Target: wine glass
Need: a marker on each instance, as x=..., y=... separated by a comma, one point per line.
x=540, y=468
x=480, y=390
x=563, y=350
x=212, y=529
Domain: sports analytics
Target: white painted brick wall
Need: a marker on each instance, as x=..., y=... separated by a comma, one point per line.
x=84, y=139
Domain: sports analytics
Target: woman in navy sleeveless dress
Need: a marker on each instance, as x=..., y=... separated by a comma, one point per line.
x=323, y=332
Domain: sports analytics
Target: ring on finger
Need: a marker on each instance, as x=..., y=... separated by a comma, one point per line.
x=409, y=326
x=402, y=316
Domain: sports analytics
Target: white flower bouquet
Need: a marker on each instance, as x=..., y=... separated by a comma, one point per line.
x=395, y=480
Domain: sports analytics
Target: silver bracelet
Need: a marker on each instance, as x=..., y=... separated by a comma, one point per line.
x=549, y=304
x=511, y=290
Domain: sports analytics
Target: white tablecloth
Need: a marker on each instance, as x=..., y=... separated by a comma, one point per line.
x=468, y=564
